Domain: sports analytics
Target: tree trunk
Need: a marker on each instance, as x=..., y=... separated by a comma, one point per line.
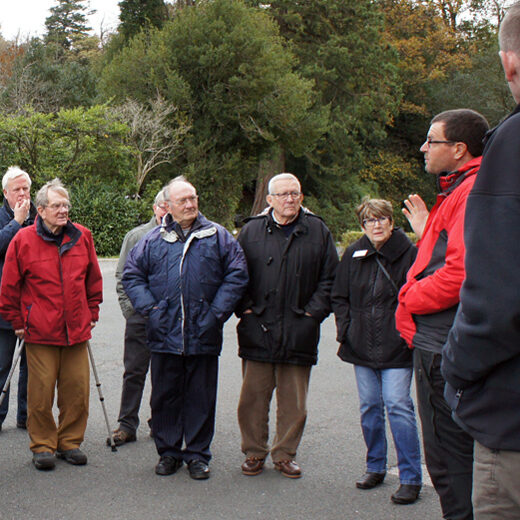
x=272, y=164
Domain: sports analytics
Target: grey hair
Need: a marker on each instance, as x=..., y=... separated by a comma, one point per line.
x=175, y=180
x=159, y=198
x=282, y=177
x=509, y=31
x=13, y=172
x=42, y=197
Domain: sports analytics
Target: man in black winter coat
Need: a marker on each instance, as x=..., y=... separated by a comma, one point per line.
x=481, y=359
x=292, y=261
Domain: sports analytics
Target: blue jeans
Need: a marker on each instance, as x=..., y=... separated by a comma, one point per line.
x=389, y=388
x=7, y=345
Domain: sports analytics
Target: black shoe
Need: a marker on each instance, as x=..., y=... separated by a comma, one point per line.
x=370, y=480
x=406, y=494
x=198, y=469
x=22, y=425
x=74, y=456
x=167, y=465
x=44, y=460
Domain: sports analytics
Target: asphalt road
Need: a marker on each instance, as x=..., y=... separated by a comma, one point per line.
x=123, y=484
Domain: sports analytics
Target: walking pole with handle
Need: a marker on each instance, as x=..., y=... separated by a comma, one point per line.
x=110, y=440
x=16, y=357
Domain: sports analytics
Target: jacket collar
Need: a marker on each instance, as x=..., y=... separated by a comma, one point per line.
x=171, y=231
x=490, y=133
x=447, y=182
x=300, y=223
x=392, y=249
x=71, y=235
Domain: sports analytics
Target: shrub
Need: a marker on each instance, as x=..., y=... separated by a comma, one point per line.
x=107, y=212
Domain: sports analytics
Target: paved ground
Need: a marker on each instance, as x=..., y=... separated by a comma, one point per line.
x=123, y=484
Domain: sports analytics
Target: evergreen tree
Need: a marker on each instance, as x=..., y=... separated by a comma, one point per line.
x=136, y=14
x=67, y=24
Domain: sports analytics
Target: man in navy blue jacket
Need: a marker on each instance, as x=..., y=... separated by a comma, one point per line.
x=481, y=359
x=17, y=211
x=186, y=277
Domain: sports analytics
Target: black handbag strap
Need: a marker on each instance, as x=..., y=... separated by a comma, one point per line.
x=387, y=274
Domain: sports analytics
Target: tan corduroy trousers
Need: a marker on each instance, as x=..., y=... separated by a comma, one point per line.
x=67, y=369
x=292, y=385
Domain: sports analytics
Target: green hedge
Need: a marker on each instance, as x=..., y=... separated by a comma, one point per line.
x=108, y=213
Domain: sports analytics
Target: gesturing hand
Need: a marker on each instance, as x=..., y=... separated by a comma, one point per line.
x=416, y=212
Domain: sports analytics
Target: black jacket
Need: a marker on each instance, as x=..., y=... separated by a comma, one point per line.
x=364, y=302
x=289, y=277
x=481, y=359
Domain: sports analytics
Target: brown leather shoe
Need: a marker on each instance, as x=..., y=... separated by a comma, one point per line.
x=122, y=436
x=252, y=466
x=288, y=468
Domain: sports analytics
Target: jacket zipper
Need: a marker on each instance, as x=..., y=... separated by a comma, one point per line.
x=183, y=311
x=63, y=295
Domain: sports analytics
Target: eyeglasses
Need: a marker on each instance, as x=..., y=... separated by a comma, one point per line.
x=56, y=206
x=184, y=200
x=430, y=141
x=371, y=222
x=286, y=195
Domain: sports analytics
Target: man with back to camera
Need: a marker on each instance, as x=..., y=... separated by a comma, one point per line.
x=429, y=299
x=16, y=213
x=292, y=262
x=136, y=353
x=481, y=359
x=186, y=277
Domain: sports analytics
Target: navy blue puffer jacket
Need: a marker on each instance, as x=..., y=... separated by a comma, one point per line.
x=186, y=286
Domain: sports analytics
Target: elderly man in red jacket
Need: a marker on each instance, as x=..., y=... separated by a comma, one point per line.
x=50, y=293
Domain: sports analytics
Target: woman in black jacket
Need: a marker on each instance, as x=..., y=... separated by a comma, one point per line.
x=364, y=299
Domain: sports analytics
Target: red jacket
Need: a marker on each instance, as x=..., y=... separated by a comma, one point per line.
x=51, y=291
x=434, y=280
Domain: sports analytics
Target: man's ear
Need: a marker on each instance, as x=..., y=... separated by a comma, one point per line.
x=460, y=150
x=509, y=64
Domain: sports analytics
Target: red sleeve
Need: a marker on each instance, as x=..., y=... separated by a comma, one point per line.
x=440, y=290
x=11, y=288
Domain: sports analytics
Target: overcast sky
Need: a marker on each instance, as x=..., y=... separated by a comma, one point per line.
x=27, y=17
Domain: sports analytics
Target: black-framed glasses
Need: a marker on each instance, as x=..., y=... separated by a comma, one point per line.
x=430, y=141
x=371, y=222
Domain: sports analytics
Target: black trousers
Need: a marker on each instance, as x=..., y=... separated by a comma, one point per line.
x=136, y=361
x=448, y=449
x=184, y=396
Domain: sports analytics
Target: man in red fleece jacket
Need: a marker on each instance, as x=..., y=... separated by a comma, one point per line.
x=429, y=299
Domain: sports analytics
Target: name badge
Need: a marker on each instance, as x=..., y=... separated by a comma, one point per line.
x=359, y=253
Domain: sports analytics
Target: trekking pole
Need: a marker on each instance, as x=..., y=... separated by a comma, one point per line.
x=16, y=356
x=110, y=440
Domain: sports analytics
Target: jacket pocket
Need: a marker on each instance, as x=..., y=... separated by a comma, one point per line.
x=158, y=322
x=210, y=329
x=303, y=335
x=252, y=333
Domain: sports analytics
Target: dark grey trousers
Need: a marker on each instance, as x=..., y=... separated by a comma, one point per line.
x=136, y=361
x=448, y=449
